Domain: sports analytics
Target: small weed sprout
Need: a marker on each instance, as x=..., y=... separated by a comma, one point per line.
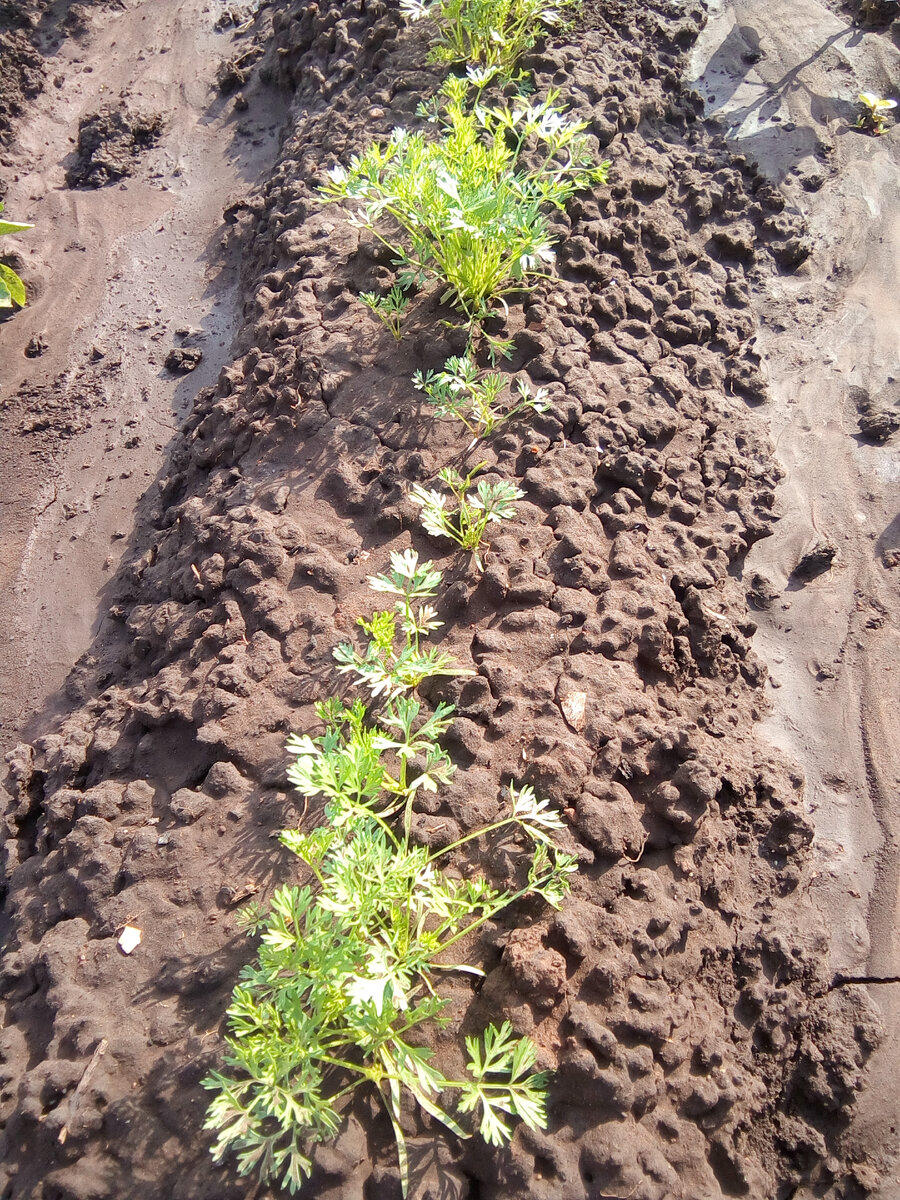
x=12, y=289
x=474, y=510
x=460, y=390
x=874, y=113
x=466, y=209
x=488, y=33
x=386, y=670
x=389, y=309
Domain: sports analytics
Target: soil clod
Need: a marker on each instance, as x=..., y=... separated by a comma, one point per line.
x=110, y=142
x=814, y=563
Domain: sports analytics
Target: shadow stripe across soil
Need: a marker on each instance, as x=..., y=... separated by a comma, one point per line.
x=679, y=995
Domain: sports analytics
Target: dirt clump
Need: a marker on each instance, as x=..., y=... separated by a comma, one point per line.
x=679, y=996
x=110, y=142
x=184, y=358
x=879, y=416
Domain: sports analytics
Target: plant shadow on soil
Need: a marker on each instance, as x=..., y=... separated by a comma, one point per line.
x=782, y=148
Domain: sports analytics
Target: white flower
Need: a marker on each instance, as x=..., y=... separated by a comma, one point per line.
x=540, y=253
x=552, y=122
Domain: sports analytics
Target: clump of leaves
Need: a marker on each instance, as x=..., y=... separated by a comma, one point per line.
x=12, y=289
x=346, y=970
x=386, y=668
x=472, y=396
x=474, y=511
x=874, y=113
x=389, y=309
x=352, y=762
x=465, y=208
x=489, y=33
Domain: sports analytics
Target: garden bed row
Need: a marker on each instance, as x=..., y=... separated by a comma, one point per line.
x=678, y=995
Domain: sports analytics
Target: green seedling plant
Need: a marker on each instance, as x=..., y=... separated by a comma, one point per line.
x=489, y=33
x=472, y=396
x=474, y=511
x=389, y=309
x=12, y=289
x=463, y=207
x=874, y=113
x=347, y=968
x=348, y=965
x=390, y=665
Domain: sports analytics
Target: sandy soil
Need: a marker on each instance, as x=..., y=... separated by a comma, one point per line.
x=699, y=996
x=830, y=337
x=116, y=273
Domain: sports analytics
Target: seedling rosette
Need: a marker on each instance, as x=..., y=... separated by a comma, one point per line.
x=490, y=502
x=488, y=33
x=874, y=113
x=462, y=208
x=460, y=390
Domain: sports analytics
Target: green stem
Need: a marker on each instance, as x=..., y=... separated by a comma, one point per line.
x=490, y=913
x=315, y=871
x=345, y=1066
x=471, y=836
x=369, y=812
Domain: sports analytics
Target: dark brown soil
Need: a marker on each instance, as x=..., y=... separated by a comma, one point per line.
x=29, y=29
x=699, y=1047
x=22, y=75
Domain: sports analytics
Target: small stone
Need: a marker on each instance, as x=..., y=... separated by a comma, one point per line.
x=573, y=707
x=183, y=358
x=762, y=592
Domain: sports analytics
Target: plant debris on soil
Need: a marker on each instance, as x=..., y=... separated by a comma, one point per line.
x=681, y=997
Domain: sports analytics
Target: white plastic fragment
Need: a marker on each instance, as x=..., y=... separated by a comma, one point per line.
x=129, y=939
x=573, y=709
